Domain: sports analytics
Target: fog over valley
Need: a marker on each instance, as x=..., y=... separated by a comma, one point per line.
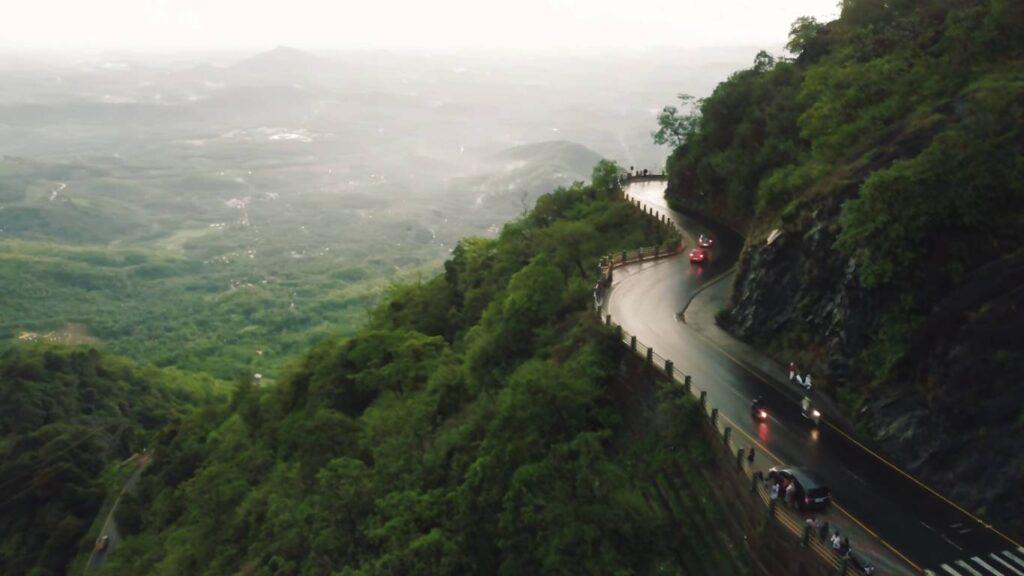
x=260, y=201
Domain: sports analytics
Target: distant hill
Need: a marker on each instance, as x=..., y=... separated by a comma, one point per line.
x=569, y=153
x=511, y=180
x=280, y=65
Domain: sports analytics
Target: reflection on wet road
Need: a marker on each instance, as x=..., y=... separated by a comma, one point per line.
x=920, y=524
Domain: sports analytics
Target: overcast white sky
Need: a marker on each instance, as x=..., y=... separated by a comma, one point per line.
x=435, y=24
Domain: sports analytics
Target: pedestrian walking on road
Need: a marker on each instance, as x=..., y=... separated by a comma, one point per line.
x=775, y=491
x=806, y=382
x=790, y=494
x=792, y=371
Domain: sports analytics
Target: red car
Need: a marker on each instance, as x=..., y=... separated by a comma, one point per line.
x=699, y=255
x=704, y=241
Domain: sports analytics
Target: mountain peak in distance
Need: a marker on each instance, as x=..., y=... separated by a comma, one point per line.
x=280, y=61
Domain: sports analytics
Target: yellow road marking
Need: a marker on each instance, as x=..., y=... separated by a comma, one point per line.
x=834, y=503
x=845, y=435
x=695, y=391
x=925, y=486
x=862, y=446
x=876, y=536
x=780, y=461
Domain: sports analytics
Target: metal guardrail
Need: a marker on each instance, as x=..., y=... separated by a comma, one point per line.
x=782, y=515
x=645, y=254
x=642, y=176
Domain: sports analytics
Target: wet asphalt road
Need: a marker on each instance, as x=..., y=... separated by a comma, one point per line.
x=918, y=523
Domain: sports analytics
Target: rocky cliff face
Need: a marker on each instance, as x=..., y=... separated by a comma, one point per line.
x=957, y=416
x=954, y=415
x=898, y=130
x=799, y=293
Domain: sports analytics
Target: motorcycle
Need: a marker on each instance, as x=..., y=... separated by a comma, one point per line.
x=758, y=411
x=810, y=413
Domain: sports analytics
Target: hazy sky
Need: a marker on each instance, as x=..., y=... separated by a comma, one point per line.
x=259, y=24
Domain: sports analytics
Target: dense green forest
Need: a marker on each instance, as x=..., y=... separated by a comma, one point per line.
x=885, y=160
x=193, y=261
x=194, y=272
x=67, y=416
x=469, y=427
x=223, y=319
x=911, y=112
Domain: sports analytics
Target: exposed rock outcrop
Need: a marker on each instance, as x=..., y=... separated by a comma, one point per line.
x=954, y=415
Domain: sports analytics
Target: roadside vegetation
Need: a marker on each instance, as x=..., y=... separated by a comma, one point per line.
x=68, y=415
x=469, y=427
x=911, y=112
x=887, y=152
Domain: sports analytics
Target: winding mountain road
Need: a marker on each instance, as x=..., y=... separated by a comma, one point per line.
x=916, y=523
x=109, y=529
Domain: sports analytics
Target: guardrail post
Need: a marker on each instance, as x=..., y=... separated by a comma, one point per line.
x=669, y=369
x=739, y=458
x=703, y=399
x=805, y=540
x=632, y=343
x=750, y=457
x=714, y=416
x=753, y=484
x=686, y=383
x=650, y=356
x=726, y=434
x=618, y=332
x=607, y=319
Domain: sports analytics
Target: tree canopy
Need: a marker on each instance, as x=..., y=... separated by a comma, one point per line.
x=467, y=428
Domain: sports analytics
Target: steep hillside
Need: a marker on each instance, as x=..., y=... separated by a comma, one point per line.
x=469, y=428
x=888, y=155
x=67, y=415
